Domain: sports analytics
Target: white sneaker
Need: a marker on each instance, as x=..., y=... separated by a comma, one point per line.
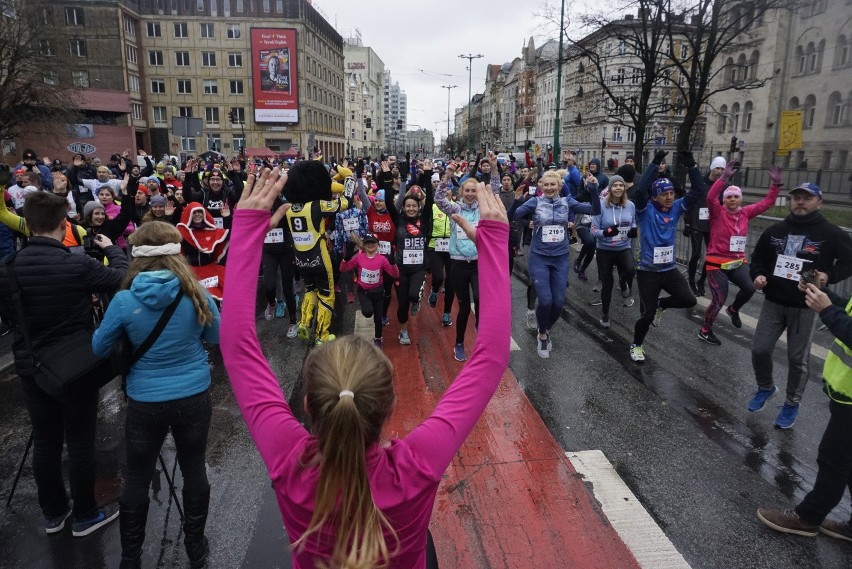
x=637, y=353
x=628, y=301
x=269, y=313
x=292, y=330
x=532, y=323
x=543, y=348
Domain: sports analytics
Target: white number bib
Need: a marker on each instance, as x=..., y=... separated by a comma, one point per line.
x=370, y=277
x=275, y=236
x=533, y=190
x=789, y=268
x=622, y=234
x=442, y=244
x=412, y=257
x=738, y=244
x=663, y=255
x=553, y=234
x=219, y=222
x=350, y=223
x=384, y=248
x=703, y=213
x=210, y=282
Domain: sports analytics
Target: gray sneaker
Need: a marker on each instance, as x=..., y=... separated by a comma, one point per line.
x=404, y=339
x=532, y=323
x=105, y=515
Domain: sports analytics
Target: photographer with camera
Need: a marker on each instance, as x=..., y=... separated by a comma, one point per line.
x=805, y=245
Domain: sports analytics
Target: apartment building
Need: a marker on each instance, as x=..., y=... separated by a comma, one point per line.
x=364, y=102
x=396, y=114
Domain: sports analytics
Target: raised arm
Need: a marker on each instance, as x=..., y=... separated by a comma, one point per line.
x=442, y=197
x=776, y=182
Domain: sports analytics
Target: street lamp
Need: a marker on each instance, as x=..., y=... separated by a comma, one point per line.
x=448, y=88
x=470, y=59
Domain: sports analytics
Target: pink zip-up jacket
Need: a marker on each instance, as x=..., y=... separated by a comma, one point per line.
x=725, y=224
x=367, y=268
x=404, y=475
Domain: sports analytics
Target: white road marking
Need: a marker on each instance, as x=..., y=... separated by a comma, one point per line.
x=636, y=528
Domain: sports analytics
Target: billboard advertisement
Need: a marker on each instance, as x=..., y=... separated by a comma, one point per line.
x=275, y=73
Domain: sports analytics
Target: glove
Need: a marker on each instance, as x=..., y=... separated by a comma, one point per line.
x=611, y=231
x=633, y=233
x=659, y=156
x=730, y=169
x=686, y=158
x=776, y=175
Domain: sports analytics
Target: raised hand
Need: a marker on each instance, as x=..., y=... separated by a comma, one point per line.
x=776, y=175
x=260, y=191
x=686, y=158
x=660, y=156
x=730, y=168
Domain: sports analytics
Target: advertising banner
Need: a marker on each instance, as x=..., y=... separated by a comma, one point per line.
x=275, y=73
x=790, y=132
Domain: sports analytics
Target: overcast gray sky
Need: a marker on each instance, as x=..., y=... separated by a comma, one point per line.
x=420, y=44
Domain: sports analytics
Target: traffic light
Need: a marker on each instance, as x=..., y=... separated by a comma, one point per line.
x=603, y=142
x=232, y=116
x=733, y=144
x=369, y=122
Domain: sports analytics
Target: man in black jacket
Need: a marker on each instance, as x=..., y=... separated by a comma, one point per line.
x=56, y=289
x=805, y=246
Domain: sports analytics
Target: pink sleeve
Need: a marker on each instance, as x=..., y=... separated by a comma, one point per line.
x=438, y=438
x=713, y=196
x=763, y=205
x=346, y=266
x=392, y=270
x=268, y=417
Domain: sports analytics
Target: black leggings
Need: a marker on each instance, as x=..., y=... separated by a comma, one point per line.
x=272, y=264
x=388, y=284
x=696, y=238
x=439, y=264
x=587, y=253
x=372, y=304
x=623, y=259
x=408, y=292
x=650, y=284
x=465, y=277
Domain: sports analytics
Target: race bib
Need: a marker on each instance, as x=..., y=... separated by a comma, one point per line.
x=704, y=213
x=302, y=238
x=384, y=247
x=533, y=190
x=210, y=282
x=553, y=234
x=663, y=255
x=789, y=268
x=219, y=222
x=274, y=236
x=350, y=223
x=370, y=277
x=442, y=244
x=738, y=244
x=622, y=234
x=412, y=257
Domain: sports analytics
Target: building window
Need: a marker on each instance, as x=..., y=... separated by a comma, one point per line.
x=684, y=52
x=747, y=111
x=137, y=111
x=238, y=115
x=206, y=30
x=45, y=48
x=181, y=30
x=238, y=143
x=631, y=134
x=133, y=83
x=723, y=119
x=80, y=78
x=234, y=31
x=208, y=59
x=635, y=78
x=235, y=60
x=77, y=47
x=160, y=115
x=837, y=110
x=130, y=28
x=678, y=108
x=616, y=134
x=185, y=112
x=132, y=54
x=667, y=78
x=154, y=30
x=211, y=115
x=184, y=86
x=619, y=78
x=155, y=58
x=808, y=111
x=51, y=78
x=236, y=86
x=158, y=86
x=735, y=117
x=266, y=7
x=182, y=58
x=842, y=51
x=187, y=144
x=211, y=87
x=74, y=17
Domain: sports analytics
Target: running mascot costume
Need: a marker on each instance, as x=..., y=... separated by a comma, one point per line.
x=308, y=190
x=204, y=245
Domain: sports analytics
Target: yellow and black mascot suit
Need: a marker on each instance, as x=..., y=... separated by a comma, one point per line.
x=308, y=190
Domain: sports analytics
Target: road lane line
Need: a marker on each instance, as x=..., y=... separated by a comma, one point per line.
x=636, y=528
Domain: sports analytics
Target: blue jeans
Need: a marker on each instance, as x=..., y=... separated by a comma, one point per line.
x=549, y=275
x=146, y=427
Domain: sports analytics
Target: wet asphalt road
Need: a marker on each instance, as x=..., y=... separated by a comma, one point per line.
x=675, y=428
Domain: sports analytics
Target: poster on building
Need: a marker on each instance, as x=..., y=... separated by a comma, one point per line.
x=790, y=132
x=275, y=74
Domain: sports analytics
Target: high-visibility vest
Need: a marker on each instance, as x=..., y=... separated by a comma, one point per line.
x=837, y=372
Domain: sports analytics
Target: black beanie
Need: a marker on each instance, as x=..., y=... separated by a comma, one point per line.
x=307, y=180
x=628, y=172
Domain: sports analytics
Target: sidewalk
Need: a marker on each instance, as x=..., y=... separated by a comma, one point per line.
x=511, y=498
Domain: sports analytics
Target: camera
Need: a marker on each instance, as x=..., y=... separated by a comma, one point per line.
x=810, y=277
x=92, y=250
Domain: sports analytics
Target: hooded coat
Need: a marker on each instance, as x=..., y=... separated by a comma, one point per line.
x=204, y=248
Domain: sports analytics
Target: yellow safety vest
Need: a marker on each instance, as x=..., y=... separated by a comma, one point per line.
x=837, y=372
x=440, y=225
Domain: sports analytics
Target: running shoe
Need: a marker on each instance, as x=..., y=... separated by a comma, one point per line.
x=787, y=521
x=760, y=398
x=839, y=530
x=532, y=323
x=625, y=291
x=350, y=297
x=628, y=302
x=433, y=299
x=458, y=353
x=292, y=330
x=577, y=266
x=735, y=317
x=658, y=317
x=56, y=523
x=378, y=343
x=280, y=309
x=598, y=286
x=328, y=338
x=549, y=343
x=637, y=353
x=303, y=333
x=700, y=288
x=605, y=321
x=105, y=515
x=787, y=417
x=582, y=276
x=385, y=321
x=709, y=337
x=446, y=320
x=269, y=313
x=415, y=308
x=596, y=301
x=543, y=351
x=693, y=288
x=404, y=339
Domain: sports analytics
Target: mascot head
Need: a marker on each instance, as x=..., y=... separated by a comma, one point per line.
x=307, y=180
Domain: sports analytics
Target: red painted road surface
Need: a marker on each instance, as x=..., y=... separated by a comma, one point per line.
x=511, y=498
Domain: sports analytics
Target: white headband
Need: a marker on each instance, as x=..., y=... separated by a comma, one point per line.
x=156, y=250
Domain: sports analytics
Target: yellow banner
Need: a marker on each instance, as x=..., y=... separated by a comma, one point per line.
x=790, y=131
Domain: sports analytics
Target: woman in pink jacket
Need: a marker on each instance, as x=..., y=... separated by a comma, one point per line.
x=725, y=259
x=346, y=499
